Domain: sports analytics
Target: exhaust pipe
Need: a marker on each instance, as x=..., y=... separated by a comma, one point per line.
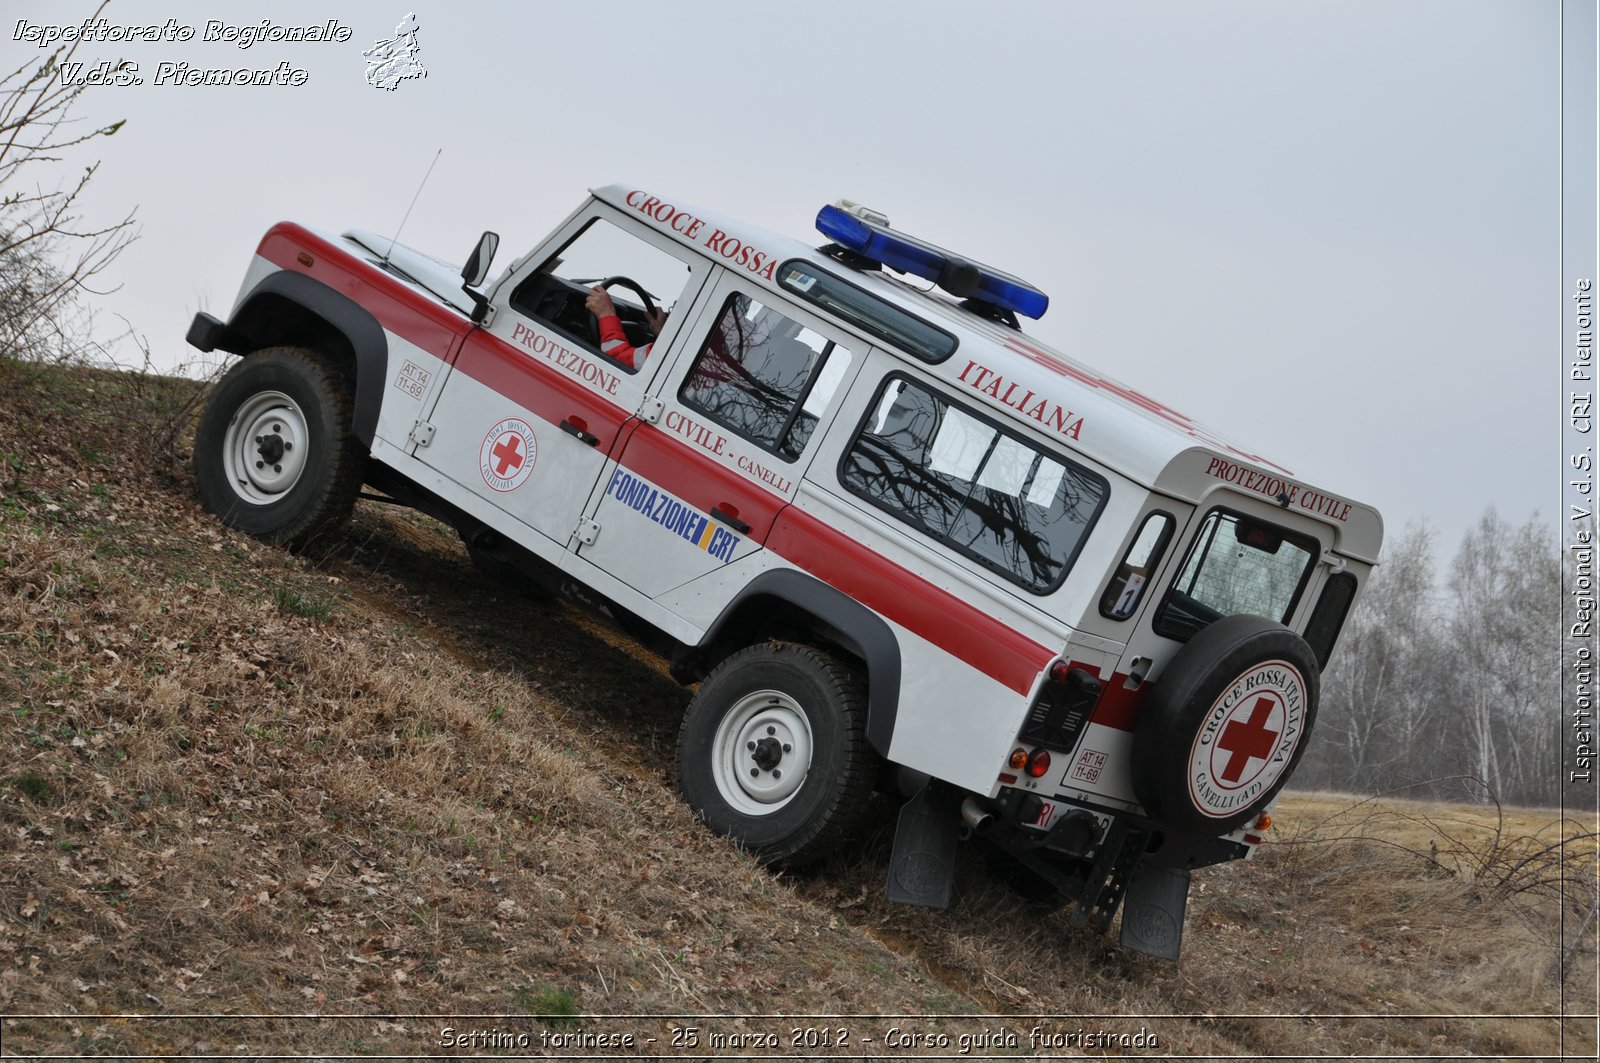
x=975, y=815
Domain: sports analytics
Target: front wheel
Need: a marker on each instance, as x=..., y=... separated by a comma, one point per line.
x=273, y=456
x=772, y=752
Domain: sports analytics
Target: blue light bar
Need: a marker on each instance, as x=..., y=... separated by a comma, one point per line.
x=961, y=277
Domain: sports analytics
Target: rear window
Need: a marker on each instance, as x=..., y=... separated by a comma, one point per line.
x=1237, y=564
x=973, y=486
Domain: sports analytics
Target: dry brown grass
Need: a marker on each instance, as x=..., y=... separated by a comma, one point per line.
x=1427, y=826
x=363, y=781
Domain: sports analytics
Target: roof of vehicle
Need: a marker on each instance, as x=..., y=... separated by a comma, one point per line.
x=1080, y=408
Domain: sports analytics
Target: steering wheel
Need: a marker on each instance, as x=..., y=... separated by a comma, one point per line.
x=636, y=288
x=633, y=286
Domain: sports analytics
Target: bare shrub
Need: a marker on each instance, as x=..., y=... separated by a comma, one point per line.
x=1462, y=865
x=50, y=254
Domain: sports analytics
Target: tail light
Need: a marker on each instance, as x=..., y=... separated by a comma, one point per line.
x=1038, y=763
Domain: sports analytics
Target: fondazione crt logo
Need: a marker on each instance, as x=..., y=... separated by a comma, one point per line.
x=389, y=62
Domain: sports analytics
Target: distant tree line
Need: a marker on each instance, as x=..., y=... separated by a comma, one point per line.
x=1447, y=684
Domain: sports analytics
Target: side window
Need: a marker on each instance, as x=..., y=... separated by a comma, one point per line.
x=764, y=376
x=973, y=486
x=1126, y=589
x=554, y=294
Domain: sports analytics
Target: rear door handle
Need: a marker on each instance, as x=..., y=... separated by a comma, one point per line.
x=577, y=426
x=730, y=516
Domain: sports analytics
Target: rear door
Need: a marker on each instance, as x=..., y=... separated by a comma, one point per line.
x=1183, y=569
x=724, y=439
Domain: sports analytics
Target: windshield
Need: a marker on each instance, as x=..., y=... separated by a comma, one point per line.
x=1237, y=564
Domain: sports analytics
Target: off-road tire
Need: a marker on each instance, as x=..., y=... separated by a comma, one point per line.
x=803, y=695
x=306, y=402
x=1182, y=729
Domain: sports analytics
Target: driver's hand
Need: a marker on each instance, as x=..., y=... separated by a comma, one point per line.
x=658, y=321
x=599, y=303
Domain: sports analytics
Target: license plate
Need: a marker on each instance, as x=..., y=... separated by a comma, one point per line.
x=1047, y=815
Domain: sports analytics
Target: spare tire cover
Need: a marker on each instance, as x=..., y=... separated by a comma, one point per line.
x=1221, y=731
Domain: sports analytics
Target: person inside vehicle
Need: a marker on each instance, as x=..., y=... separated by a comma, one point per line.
x=613, y=341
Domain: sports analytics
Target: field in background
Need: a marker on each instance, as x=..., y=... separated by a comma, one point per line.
x=1456, y=835
x=366, y=781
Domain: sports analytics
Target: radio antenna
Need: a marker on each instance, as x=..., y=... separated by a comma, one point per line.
x=414, y=198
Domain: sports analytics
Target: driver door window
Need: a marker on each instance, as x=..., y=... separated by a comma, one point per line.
x=531, y=410
x=633, y=271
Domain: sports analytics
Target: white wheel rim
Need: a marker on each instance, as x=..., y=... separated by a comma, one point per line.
x=761, y=752
x=266, y=447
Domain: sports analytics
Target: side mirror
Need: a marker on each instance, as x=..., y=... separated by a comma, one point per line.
x=477, y=267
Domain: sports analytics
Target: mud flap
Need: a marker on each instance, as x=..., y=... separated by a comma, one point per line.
x=922, y=866
x=1152, y=910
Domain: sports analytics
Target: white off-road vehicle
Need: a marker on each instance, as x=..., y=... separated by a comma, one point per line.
x=892, y=537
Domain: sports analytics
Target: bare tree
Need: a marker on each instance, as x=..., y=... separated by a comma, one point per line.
x=1375, y=714
x=50, y=256
x=1505, y=584
x=1452, y=692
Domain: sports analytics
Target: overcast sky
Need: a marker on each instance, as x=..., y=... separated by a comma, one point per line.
x=1329, y=230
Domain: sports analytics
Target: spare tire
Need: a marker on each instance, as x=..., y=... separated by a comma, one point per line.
x=1222, y=730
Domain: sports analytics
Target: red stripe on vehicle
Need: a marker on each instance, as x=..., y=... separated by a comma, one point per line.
x=547, y=393
x=667, y=462
x=429, y=325
x=1118, y=706
x=932, y=612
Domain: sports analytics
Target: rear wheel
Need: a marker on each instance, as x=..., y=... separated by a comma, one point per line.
x=772, y=751
x=273, y=455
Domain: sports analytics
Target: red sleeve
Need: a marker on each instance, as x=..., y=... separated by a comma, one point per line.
x=614, y=342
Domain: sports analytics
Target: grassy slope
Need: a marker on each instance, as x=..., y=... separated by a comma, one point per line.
x=365, y=781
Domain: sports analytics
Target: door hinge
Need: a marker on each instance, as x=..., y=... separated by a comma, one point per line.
x=587, y=531
x=651, y=411
x=422, y=433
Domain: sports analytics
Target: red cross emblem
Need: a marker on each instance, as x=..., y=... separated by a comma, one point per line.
x=1247, y=740
x=507, y=454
